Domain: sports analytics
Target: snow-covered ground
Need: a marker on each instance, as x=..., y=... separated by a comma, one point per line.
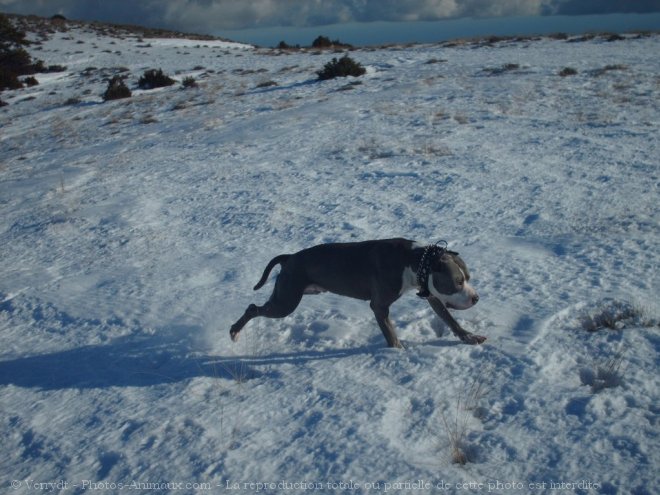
x=132, y=232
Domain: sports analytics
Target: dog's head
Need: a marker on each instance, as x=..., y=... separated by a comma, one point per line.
x=448, y=281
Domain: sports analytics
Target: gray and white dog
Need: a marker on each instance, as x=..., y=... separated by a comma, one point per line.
x=378, y=271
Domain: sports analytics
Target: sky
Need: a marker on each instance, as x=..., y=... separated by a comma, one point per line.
x=364, y=21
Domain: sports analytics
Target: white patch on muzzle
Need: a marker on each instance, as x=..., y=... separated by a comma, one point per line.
x=464, y=299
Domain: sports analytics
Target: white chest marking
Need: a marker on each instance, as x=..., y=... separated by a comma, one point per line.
x=409, y=280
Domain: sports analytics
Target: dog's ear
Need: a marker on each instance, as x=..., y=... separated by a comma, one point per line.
x=449, y=273
x=461, y=264
x=451, y=257
x=440, y=262
x=445, y=261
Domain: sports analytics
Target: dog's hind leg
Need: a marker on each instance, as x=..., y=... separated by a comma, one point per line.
x=252, y=311
x=382, y=314
x=284, y=300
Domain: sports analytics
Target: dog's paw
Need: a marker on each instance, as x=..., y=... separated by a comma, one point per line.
x=473, y=339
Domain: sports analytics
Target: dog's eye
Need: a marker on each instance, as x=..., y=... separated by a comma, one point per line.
x=459, y=282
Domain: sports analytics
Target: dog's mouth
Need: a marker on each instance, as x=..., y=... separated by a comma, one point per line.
x=461, y=303
x=464, y=298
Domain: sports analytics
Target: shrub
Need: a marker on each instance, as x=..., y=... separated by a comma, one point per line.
x=266, y=84
x=153, y=78
x=117, y=89
x=9, y=34
x=491, y=40
x=283, y=45
x=342, y=67
x=31, y=81
x=558, y=36
x=14, y=60
x=456, y=434
x=568, y=71
x=581, y=39
x=609, y=68
x=457, y=425
x=613, y=37
x=325, y=42
x=496, y=71
x=9, y=80
x=188, y=82
x=52, y=68
x=617, y=315
x=608, y=372
x=322, y=42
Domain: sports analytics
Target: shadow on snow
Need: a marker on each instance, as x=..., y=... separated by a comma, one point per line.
x=142, y=361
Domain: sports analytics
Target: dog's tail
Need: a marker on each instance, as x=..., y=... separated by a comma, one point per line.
x=276, y=260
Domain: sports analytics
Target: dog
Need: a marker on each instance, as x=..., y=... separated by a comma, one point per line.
x=378, y=271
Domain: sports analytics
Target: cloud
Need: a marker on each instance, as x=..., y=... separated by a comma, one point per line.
x=213, y=15
x=232, y=15
x=584, y=7
x=147, y=12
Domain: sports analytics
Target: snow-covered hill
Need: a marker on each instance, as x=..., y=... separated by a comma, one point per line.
x=133, y=231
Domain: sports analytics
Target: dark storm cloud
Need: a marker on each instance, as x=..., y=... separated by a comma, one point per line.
x=585, y=7
x=211, y=15
x=117, y=11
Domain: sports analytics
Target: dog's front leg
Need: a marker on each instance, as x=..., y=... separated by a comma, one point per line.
x=443, y=312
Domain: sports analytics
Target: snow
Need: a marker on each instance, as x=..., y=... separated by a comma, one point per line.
x=133, y=231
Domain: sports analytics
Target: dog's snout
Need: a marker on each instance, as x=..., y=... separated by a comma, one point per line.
x=475, y=299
